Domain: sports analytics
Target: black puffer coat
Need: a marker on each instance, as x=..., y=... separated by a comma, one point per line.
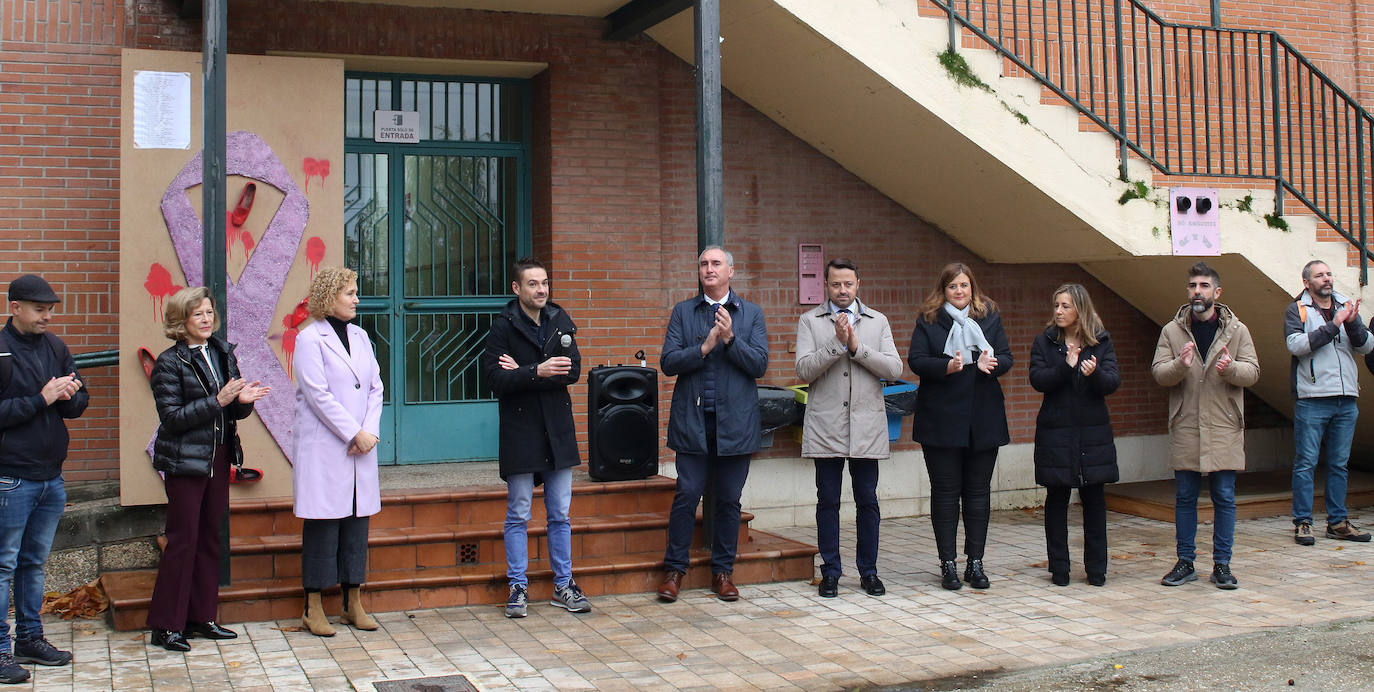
x=1073, y=433
x=189, y=412
x=966, y=409
x=537, y=431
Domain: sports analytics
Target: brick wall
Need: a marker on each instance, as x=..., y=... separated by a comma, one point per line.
x=59, y=196
x=613, y=203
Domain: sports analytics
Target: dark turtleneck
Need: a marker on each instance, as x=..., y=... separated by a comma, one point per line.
x=340, y=328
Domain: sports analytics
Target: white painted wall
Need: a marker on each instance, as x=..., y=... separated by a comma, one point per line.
x=782, y=491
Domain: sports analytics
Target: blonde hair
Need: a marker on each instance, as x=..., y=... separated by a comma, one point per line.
x=325, y=287
x=1089, y=325
x=179, y=308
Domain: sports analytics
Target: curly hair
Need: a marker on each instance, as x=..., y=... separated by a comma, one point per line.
x=179, y=308
x=327, y=284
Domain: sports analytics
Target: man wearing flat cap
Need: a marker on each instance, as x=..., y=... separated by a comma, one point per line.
x=39, y=388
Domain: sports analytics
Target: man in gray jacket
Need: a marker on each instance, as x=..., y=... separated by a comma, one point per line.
x=1323, y=331
x=845, y=350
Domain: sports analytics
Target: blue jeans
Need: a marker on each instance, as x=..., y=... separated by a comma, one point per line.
x=829, y=479
x=557, y=496
x=1222, y=485
x=1333, y=419
x=29, y=511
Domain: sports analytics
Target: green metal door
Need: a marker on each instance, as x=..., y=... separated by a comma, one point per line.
x=432, y=229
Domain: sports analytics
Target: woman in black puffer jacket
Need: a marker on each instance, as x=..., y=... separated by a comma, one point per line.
x=200, y=397
x=1074, y=365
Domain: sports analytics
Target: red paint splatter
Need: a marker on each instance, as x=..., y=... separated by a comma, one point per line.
x=291, y=322
x=247, y=239
x=314, y=252
x=159, y=285
x=315, y=167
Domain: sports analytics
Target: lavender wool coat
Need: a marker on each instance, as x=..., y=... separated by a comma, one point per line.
x=337, y=394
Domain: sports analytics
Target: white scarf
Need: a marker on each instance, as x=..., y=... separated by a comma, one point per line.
x=965, y=334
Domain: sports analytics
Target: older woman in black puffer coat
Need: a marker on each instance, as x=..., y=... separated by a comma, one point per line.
x=200, y=398
x=1074, y=365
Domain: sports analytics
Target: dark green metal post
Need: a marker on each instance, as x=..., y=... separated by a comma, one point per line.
x=710, y=159
x=710, y=173
x=213, y=203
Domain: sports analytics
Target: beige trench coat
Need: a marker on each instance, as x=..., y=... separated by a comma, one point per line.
x=1206, y=407
x=845, y=416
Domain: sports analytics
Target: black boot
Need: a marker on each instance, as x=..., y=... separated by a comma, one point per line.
x=949, y=575
x=973, y=574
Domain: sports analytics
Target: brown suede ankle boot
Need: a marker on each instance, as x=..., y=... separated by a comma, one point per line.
x=314, y=619
x=353, y=612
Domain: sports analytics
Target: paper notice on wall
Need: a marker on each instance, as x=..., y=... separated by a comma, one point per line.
x=162, y=110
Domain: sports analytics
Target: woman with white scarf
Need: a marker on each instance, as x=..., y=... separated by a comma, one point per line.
x=959, y=349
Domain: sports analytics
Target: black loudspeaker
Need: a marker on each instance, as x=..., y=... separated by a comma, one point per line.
x=622, y=414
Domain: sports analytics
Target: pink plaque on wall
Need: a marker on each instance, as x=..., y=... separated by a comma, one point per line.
x=1194, y=221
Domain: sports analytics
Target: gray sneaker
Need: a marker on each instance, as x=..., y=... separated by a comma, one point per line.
x=1181, y=574
x=517, y=601
x=11, y=673
x=571, y=598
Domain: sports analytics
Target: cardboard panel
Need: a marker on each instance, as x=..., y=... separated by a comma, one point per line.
x=285, y=125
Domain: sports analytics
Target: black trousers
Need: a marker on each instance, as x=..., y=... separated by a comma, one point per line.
x=960, y=476
x=1094, y=502
x=333, y=551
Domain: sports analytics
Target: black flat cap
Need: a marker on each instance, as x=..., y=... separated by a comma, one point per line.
x=32, y=288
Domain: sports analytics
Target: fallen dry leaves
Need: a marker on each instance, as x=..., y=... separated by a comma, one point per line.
x=85, y=601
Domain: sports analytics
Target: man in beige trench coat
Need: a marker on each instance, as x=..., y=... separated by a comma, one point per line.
x=1206, y=358
x=845, y=350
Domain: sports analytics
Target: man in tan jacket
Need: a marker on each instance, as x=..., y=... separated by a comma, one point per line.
x=1206, y=358
x=845, y=350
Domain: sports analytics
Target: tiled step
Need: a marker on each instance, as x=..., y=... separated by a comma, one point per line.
x=1258, y=494
x=764, y=558
x=261, y=557
x=466, y=506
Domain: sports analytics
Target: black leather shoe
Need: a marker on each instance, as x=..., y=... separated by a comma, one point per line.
x=1059, y=578
x=830, y=587
x=873, y=585
x=1097, y=579
x=973, y=574
x=949, y=575
x=208, y=630
x=169, y=640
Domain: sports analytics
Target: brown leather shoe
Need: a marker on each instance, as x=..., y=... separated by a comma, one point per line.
x=672, y=581
x=724, y=588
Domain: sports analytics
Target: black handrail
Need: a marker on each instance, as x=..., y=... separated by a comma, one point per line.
x=1194, y=100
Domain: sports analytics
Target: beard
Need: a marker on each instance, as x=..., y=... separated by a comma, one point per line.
x=1325, y=291
x=1200, y=305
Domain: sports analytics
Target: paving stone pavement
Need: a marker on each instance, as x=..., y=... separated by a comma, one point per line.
x=783, y=636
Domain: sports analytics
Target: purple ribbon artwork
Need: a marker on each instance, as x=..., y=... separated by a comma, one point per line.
x=254, y=296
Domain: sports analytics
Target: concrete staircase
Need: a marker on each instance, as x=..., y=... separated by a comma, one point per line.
x=1008, y=175
x=436, y=548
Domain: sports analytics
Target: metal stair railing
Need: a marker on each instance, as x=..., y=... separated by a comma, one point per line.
x=1194, y=100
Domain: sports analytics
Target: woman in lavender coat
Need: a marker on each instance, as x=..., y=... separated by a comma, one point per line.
x=338, y=412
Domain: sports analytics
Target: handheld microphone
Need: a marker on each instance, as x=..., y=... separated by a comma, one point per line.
x=564, y=343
